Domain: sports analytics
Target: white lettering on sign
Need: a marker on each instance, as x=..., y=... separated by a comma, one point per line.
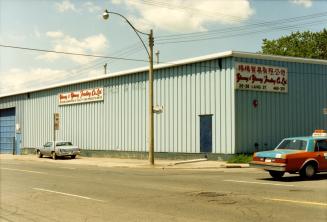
x=82, y=96
x=261, y=78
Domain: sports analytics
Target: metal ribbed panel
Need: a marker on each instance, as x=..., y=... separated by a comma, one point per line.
x=280, y=115
x=18, y=102
x=187, y=92
x=119, y=122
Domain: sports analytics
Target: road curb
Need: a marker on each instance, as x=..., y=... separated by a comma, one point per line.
x=187, y=161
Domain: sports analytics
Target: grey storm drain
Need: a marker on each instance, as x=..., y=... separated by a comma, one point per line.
x=216, y=197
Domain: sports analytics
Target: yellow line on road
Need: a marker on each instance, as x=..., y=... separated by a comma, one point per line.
x=298, y=202
x=67, y=194
x=26, y=171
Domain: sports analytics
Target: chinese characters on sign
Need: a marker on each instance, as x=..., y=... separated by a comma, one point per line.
x=261, y=78
x=82, y=96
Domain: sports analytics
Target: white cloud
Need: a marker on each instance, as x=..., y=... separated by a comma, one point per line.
x=55, y=34
x=64, y=6
x=17, y=80
x=37, y=33
x=67, y=5
x=18, y=38
x=96, y=44
x=305, y=3
x=91, y=7
x=187, y=15
x=116, y=2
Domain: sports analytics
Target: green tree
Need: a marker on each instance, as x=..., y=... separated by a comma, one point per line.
x=299, y=44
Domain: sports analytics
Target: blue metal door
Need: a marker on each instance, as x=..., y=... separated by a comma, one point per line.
x=206, y=133
x=7, y=130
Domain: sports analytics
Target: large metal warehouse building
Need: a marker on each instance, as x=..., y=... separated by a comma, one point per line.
x=225, y=103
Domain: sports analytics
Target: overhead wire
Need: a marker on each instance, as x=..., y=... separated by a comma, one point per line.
x=82, y=70
x=199, y=36
x=72, y=53
x=240, y=33
x=237, y=28
x=215, y=37
x=121, y=52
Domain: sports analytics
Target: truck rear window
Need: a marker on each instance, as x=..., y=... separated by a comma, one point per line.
x=64, y=144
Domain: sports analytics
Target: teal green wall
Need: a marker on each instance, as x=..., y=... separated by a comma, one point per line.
x=280, y=115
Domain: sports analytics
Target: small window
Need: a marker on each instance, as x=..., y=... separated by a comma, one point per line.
x=321, y=145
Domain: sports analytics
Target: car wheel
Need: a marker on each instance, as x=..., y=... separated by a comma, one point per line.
x=308, y=171
x=54, y=155
x=39, y=154
x=73, y=156
x=276, y=174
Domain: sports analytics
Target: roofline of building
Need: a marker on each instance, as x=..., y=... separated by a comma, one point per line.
x=179, y=63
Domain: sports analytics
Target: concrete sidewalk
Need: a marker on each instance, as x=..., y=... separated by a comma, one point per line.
x=129, y=163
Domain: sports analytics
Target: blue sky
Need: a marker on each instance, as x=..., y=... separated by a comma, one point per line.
x=77, y=26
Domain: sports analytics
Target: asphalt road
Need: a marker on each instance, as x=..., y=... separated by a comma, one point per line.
x=48, y=191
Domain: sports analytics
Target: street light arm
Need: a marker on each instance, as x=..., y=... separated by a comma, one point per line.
x=149, y=50
x=135, y=30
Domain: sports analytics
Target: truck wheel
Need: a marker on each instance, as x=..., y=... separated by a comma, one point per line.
x=73, y=156
x=308, y=171
x=276, y=174
x=39, y=154
x=54, y=155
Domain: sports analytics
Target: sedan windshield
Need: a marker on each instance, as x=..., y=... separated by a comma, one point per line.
x=293, y=145
x=64, y=144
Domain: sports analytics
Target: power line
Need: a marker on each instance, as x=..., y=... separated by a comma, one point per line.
x=72, y=53
x=238, y=28
x=83, y=70
x=200, y=36
x=120, y=53
x=220, y=36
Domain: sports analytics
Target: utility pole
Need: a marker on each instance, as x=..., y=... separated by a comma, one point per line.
x=157, y=55
x=105, y=68
x=150, y=139
x=150, y=108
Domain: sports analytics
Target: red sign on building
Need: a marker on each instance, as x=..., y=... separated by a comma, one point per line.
x=261, y=78
x=82, y=96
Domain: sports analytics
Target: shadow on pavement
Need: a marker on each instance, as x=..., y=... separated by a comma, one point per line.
x=297, y=178
x=59, y=158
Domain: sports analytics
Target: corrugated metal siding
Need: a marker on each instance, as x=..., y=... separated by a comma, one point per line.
x=7, y=130
x=119, y=122
x=18, y=103
x=187, y=92
x=281, y=115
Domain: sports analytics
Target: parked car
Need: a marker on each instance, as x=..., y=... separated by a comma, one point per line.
x=62, y=148
x=304, y=155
